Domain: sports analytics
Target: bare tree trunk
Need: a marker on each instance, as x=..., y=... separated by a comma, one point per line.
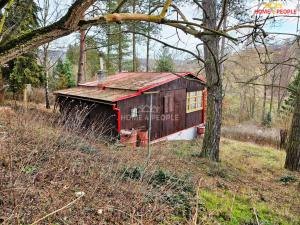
x=292, y=161
x=241, y=107
x=133, y=40
x=211, y=142
x=120, y=51
x=279, y=93
x=253, y=103
x=223, y=40
x=148, y=51
x=45, y=47
x=272, y=93
x=45, y=62
x=264, y=104
x=108, y=62
x=148, y=40
x=81, y=66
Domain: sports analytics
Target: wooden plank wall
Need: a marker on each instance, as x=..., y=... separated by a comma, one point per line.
x=158, y=128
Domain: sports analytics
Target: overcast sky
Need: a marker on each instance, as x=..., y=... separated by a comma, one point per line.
x=169, y=35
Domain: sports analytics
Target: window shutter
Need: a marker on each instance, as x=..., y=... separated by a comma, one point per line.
x=171, y=103
x=166, y=104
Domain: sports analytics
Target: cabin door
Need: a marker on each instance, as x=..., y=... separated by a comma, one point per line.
x=174, y=107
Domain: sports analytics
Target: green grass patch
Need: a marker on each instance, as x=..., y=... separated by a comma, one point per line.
x=230, y=209
x=252, y=155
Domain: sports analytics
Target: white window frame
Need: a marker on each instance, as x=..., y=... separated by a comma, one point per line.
x=134, y=112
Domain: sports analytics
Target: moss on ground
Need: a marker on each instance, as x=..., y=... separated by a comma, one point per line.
x=231, y=209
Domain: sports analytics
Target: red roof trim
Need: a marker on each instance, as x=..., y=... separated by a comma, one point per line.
x=140, y=91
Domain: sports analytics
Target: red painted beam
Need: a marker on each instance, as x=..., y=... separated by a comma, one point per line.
x=118, y=117
x=204, y=96
x=140, y=91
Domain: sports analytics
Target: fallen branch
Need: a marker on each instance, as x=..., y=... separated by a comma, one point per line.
x=195, y=216
x=58, y=210
x=256, y=217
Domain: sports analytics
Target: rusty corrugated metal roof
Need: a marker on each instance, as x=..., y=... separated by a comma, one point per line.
x=95, y=93
x=122, y=86
x=138, y=81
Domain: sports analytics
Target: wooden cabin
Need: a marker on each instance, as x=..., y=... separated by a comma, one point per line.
x=177, y=102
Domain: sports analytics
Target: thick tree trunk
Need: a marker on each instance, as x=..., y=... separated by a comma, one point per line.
x=211, y=142
x=81, y=66
x=292, y=161
x=31, y=40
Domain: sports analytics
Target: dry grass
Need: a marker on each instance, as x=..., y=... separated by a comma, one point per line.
x=253, y=133
x=44, y=167
x=36, y=96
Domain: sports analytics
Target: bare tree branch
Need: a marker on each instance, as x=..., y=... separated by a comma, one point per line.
x=166, y=44
x=120, y=5
x=258, y=84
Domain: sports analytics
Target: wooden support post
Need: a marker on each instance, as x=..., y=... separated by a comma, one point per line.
x=150, y=123
x=25, y=97
x=149, y=129
x=26, y=92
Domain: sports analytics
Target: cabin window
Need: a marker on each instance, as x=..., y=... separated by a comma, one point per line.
x=193, y=101
x=134, y=113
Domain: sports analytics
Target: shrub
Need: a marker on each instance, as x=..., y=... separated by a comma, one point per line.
x=181, y=194
x=267, y=122
x=287, y=179
x=175, y=192
x=134, y=173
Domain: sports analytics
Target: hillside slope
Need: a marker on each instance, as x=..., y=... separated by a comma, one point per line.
x=51, y=174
